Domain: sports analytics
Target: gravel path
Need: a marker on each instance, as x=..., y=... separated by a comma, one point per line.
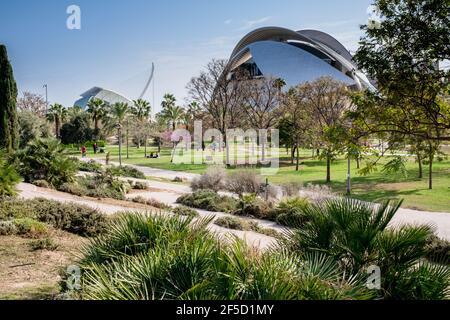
x=28, y=191
x=439, y=220
x=169, y=192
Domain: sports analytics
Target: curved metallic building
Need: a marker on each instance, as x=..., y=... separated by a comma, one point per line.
x=108, y=96
x=296, y=57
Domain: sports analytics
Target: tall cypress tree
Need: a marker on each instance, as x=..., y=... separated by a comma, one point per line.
x=9, y=134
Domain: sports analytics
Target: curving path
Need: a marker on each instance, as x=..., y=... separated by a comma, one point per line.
x=29, y=191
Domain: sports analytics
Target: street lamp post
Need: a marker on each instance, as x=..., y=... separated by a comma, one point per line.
x=46, y=98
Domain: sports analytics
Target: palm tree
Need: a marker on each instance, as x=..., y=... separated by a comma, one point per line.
x=57, y=114
x=74, y=112
x=279, y=84
x=170, y=111
x=118, y=113
x=356, y=235
x=141, y=110
x=191, y=114
x=96, y=107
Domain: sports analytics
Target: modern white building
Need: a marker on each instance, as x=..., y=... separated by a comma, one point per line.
x=107, y=96
x=296, y=57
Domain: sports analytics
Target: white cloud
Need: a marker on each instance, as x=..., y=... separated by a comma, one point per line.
x=249, y=24
x=229, y=21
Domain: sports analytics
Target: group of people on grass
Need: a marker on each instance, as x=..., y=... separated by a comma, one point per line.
x=95, y=147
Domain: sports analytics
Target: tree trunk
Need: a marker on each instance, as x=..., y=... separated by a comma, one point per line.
x=430, y=176
x=96, y=124
x=159, y=145
x=293, y=154
x=57, y=130
x=173, y=130
x=145, y=147
x=358, y=162
x=128, y=156
x=297, y=166
x=120, y=146
x=263, y=150
x=349, y=187
x=328, y=168
x=419, y=160
x=313, y=153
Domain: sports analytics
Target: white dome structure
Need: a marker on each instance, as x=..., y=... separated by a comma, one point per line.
x=296, y=57
x=107, y=96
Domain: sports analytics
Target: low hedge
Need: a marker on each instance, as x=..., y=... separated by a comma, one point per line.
x=185, y=211
x=209, y=200
x=70, y=217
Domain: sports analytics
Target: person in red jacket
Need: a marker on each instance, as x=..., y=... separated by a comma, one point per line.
x=83, y=151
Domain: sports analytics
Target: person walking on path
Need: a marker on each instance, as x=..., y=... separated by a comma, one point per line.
x=94, y=146
x=83, y=152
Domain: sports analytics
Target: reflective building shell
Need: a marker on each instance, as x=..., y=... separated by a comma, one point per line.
x=296, y=57
x=107, y=96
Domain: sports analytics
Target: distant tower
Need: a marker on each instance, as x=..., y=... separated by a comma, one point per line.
x=147, y=85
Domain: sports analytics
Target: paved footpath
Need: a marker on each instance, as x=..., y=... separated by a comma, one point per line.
x=28, y=191
x=439, y=220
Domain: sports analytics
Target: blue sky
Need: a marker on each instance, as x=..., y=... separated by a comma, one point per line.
x=120, y=39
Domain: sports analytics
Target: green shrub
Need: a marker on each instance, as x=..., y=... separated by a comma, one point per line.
x=30, y=227
x=185, y=211
x=70, y=217
x=438, y=250
x=45, y=159
x=41, y=184
x=151, y=202
x=77, y=219
x=102, y=185
x=234, y=223
x=356, y=235
x=43, y=244
x=74, y=188
x=13, y=208
x=252, y=206
x=270, y=233
x=7, y=228
x=89, y=166
x=32, y=126
x=127, y=171
x=290, y=212
x=209, y=200
x=9, y=178
x=171, y=257
x=138, y=185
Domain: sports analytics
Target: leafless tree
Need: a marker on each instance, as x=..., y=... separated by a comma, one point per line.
x=262, y=101
x=327, y=100
x=32, y=102
x=300, y=123
x=219, y=93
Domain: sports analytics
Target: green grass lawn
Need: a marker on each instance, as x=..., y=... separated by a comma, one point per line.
x=374, y=187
